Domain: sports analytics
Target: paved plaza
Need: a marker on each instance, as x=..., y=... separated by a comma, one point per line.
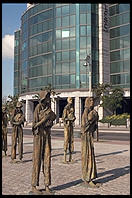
x=113, y=168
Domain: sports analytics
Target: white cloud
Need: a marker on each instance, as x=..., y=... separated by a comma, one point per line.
x=8, y=46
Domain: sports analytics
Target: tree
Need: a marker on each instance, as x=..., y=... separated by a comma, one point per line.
x=100, y=90
x=112, y=101
x=108, y=97
x=11, y=104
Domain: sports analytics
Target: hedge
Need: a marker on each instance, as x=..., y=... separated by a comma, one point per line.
x=120, y=119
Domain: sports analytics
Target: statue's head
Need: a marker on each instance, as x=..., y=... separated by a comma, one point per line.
x=89, y=102
x=44, y=97
x=69, y=100
x=4, y=109
x=19, y=105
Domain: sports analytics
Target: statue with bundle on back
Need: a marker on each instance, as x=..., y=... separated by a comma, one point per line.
x=88, y=127
x=42, y=123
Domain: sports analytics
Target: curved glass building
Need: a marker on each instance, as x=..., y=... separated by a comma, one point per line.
x=54, y=41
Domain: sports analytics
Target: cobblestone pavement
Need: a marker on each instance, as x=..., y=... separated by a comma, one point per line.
x=113, y=163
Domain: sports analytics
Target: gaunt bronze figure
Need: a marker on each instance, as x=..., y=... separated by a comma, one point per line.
x=68, y=118
x=4, y=130
x=42, y=123
x=17, y=122
x=88, y=127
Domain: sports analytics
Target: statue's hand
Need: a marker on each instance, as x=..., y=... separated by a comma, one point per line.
x=16, y=123
x=34, y=127
x=34, y=130
x=83, y=132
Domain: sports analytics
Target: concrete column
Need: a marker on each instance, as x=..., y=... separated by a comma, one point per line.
x=100, y=112
x=29, y=111
x=104, y=46
x=77, y=110
x=53, y=107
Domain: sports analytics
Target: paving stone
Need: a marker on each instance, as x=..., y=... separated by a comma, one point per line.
x=113, y=168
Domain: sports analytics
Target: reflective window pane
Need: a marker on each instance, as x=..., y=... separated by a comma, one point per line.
x=65, y=21
x=72, y=67
x=58, y=33
x=72, y=43
x=65, y=10
x=72, y=79
x=58, y=68
x=58, y=44
x=72, y=20
x=65, y=55
x=58, y=12
x=58, y=22
x=65, y=44
x=58, y=56
x=72, y=55
x=58, y=80
x=82, y=42
x=65, y=33
x=83, y=30
x=72, y=32
x=83, y=18
x=65, y=79
x=65, y=67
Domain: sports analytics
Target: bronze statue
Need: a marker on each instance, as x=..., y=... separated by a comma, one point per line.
x=4, y=129
x=17, y=121
x=42, y=123
x=68, y=118
x=88, y=127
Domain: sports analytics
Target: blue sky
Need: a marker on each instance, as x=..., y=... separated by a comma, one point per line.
x=11, y=21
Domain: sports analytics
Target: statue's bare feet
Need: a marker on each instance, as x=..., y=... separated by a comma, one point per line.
x=71, y=161
x=13, y=161
x=36, y=191
x=20, y=160
x=93, y=185
x=48, y=190
x=65, y=162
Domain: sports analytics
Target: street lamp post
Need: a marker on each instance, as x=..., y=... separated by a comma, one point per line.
x=86, y=64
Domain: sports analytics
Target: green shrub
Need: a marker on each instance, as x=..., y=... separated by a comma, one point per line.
x=120, y=119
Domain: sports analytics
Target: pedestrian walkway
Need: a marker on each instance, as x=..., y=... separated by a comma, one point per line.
x=113, y=163
x=117, y=129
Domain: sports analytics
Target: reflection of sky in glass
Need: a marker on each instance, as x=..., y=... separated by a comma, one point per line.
x=58, y=33
x=65, y=33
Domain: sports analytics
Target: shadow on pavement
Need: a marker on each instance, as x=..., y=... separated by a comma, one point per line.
x=113, y=153
x=68, y=185
x=30, y=160
x=115, y=173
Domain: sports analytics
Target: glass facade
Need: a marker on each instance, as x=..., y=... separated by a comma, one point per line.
x=17, y=62
x=55, y=40
x=120, y=45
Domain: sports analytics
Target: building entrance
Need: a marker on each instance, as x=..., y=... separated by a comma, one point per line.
x=82, y=105
x=62, y=104
x=35, y=104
